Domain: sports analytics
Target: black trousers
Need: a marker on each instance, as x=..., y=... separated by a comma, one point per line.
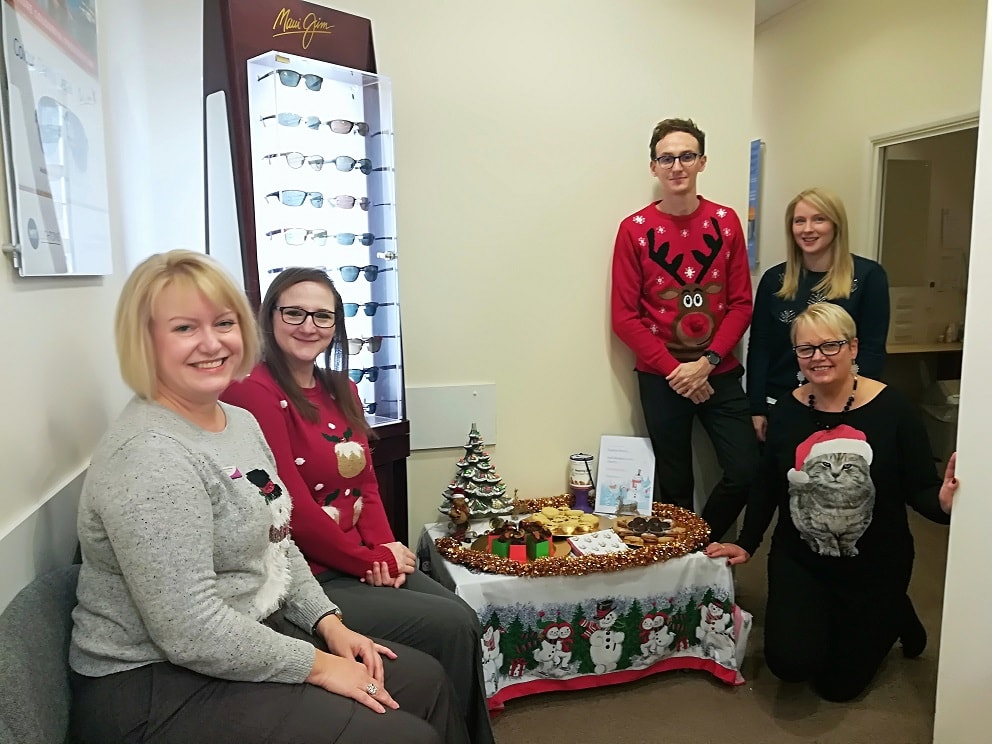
x=426, y=616
x=168, y=704
x=832, y=633
x=726, y=416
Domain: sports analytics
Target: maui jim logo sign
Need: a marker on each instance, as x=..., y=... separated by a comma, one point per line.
x=307, y=27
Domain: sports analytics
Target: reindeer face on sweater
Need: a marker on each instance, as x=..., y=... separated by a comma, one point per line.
x=695, y=279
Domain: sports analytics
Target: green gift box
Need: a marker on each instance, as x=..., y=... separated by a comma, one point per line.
x=538, y=548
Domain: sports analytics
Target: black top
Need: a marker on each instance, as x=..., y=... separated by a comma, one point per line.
x=901, y=472
x=771, y=363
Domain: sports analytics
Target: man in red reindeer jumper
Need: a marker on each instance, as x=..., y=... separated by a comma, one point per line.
x=681, y=300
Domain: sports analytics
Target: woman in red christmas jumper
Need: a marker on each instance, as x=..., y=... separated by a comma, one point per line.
x=314, y=422
x=844, y=456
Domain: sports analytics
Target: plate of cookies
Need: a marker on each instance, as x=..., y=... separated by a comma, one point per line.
x=565, y=522
x=637, y=532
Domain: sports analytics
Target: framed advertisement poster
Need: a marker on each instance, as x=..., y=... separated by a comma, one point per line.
x=626, y=476
x=53, y=134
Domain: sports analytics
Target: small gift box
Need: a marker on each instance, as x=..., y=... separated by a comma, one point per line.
x=538, y=547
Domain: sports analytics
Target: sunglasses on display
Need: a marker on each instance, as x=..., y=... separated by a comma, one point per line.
x=343, y=126
x=298, y=235
x=370, y=308
x=292, y=315
x=370, y=373
x=280, y=269
x=58, y=124
x=350, y=238
x=373, y=343
x=370, y=408
x=291, y=78
x=351, y=273
x=295, y=198
x=288, y=119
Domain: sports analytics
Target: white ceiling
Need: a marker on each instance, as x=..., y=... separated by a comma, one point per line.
x=765, y=9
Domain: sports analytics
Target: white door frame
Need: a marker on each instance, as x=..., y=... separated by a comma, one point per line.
x=876, y=180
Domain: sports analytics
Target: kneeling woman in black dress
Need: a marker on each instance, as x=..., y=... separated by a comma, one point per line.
x=845, y=455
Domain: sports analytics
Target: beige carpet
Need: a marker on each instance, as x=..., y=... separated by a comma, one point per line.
x=693, y=708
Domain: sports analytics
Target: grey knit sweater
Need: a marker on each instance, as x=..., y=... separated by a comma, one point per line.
x=185, y=545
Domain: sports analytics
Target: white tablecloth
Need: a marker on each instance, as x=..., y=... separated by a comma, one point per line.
x=572, y=632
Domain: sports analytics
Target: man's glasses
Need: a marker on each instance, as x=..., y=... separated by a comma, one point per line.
x=667, y=160
x=288, y=119
x=351, y=273
x=343, y=126
x=370, y=373
x=298, y=235
x=56, y=122
x=295, y=198
x=373, y=343
x=293, y=315
x=291, y=78
x=350, y=238
x=370, y=308
x=827, y=348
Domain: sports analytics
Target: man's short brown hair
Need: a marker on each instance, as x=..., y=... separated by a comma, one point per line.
x=666, y=127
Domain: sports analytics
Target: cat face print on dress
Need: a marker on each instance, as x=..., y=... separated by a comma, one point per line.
x=832, y=496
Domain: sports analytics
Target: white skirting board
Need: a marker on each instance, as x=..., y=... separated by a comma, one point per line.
x=442, y=415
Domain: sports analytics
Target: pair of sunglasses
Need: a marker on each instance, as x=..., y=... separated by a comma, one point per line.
x=351, y=273
x=374, y=343
x=369, y=373
x=370, y=308
x=291, y=78
x=295, y=197
x=338, y=126
x=343, y=163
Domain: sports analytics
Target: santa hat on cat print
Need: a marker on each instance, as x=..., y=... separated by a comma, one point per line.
x=842, y=439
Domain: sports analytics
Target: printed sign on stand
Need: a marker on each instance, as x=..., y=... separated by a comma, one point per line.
x=626, y=476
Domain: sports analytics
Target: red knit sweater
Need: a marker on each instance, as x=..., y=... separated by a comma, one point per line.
x=338, y=520
x=681, y=286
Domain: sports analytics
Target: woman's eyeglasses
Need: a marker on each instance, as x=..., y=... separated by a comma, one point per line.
x=827, y=348
x=338, y=126
x=293, y=315
x=351, y=273
x=370, y=308
x=370, y=373
x=298, y=235
x=291, y=78
x=373, y=343
x=295, y=198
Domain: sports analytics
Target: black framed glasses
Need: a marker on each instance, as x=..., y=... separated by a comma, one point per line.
x=288, y=119
x=291, y=78
x=343, y=126
x=299, y=235
x=373, y=343
x=295, y=197
x=827, y=348
x=667, y=160
x=350, y=238
x=369, y=373
x=351, y=273
x=292, y=315
x=370, y=308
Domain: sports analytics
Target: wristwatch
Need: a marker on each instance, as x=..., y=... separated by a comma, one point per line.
x=335, y=611
x=713, y=358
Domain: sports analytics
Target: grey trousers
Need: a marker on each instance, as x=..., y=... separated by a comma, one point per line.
x=164, y=703
x=424, y=615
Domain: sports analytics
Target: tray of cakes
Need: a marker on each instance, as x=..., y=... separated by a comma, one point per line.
x=639, y=531
x=564, y=522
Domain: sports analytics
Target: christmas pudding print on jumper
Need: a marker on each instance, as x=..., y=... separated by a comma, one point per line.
x=832, y=494
x=351, y=455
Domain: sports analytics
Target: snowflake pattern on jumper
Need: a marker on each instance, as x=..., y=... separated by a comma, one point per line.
x=721, y=212
x=787, y=316
x=816, y=297
x=639, y=219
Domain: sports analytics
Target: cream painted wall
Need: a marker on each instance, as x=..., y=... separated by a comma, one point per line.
x=522, y=141
x=831, y=75
x=963, y=712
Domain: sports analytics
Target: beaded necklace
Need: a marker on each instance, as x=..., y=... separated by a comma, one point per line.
x=843, y=413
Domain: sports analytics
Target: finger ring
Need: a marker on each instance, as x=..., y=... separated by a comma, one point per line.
x=371, y=689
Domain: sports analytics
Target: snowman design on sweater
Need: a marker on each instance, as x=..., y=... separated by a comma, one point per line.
x=276, y=560
x=351, y=462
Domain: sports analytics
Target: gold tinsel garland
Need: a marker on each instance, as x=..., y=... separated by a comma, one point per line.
x=696, y=535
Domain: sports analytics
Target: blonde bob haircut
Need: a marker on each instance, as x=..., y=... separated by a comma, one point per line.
x=836, y=284
x=132, y=321
x=828, y=317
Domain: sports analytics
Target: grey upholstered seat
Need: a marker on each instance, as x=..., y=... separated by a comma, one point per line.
x=34, y=668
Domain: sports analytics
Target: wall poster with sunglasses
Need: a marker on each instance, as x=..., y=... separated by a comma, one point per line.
x=323, y=189
x=54, y=142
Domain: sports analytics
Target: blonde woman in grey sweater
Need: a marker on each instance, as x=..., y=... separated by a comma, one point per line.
x=198, y=618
